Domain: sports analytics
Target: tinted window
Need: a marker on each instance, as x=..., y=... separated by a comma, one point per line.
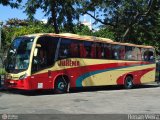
x=128, y=53
x=74, y=48
x=93, y=50
x=139, y=54
x=144, y=54
x=46, y=53
x=19, y=54
x=151, y=55
x=134, y=53
x=107, y=51
x=87, y=46
x=147, y=54
x=100, y=50
x=64, y=50
x=116, y=52
x=122, y=52
x=83, y=52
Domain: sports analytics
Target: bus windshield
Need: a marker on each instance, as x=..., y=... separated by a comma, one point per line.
x=19, y=54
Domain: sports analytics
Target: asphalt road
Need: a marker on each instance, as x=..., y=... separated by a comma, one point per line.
x=104, y=100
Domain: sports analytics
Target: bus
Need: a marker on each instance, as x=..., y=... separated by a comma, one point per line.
x=63, y=61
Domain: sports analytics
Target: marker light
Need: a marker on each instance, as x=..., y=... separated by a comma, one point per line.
x=23, y=76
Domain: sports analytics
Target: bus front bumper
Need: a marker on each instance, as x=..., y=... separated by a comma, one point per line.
x=16, y=84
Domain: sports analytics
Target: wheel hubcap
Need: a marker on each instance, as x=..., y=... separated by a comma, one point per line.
x=129, y=83
x=61, y=85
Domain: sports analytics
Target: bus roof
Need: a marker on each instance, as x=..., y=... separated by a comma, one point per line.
x=82, y=37
x=87, y=38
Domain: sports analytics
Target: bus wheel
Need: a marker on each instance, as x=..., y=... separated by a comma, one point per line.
x=128, y=83
x=61, y=86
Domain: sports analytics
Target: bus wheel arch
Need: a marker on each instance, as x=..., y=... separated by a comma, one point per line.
x=128, y=81
x=158, y=83
x=61, y=84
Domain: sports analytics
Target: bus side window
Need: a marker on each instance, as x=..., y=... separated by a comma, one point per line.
x=93, y=51
x=116, y=52
x=107, y=49
x=45, y=54
x=87, y=46
x=128, y=52
x=151, y=55
x=148, y=54
x=122, y=52
x=74, y=50
x=64, y=50
x=145, y=54
x=100, y=52
x=139, y=54
x=83, y=52
x=134, y=53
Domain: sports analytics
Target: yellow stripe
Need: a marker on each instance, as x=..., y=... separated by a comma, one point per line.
x=148, y=77
x=83, y=62
x=110, y=77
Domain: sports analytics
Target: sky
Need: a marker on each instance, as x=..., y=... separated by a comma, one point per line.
x=6, y=12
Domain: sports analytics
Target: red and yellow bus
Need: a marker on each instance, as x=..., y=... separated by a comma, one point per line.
x=64, y=61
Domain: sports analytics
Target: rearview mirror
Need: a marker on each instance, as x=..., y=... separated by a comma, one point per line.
x=35, y=52
x=38, y=45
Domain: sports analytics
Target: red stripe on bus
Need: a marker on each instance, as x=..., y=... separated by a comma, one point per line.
x=78, y=71
x=137, y=75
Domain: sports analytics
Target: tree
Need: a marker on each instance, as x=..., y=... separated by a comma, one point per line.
x=125, y=17
x=102, y=32
x=105, y=33
x=82, y=30
x=59, y=12
x=12, y=3
x=17, y=22
x=10, y=31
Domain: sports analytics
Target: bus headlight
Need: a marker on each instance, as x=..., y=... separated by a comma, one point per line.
x=23, y=76
x=8, y=76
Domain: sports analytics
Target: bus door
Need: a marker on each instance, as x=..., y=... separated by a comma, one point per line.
x=43, y=62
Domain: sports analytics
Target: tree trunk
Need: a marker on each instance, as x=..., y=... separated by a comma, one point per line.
x=125, y=34
x=54, y=16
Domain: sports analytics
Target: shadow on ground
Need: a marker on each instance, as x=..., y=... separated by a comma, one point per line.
x=75, y=90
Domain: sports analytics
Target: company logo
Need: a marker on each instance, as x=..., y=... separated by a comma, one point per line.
x=68, y=63
x=9, y=117
x=4, y=117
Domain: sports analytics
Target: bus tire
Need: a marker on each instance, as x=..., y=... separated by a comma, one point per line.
x=61, y=85
x=128, y=83
x=158, y=83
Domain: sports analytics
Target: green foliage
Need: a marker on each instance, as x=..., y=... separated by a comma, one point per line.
x=134, y=21
x=59, y=12
x=2, y=71
x=130, y=20
x=102, y=32
x=105, y=33
x=33, y=28
x=17, y=22
x=12, y=3
x=11, y=32
x=82, y=30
